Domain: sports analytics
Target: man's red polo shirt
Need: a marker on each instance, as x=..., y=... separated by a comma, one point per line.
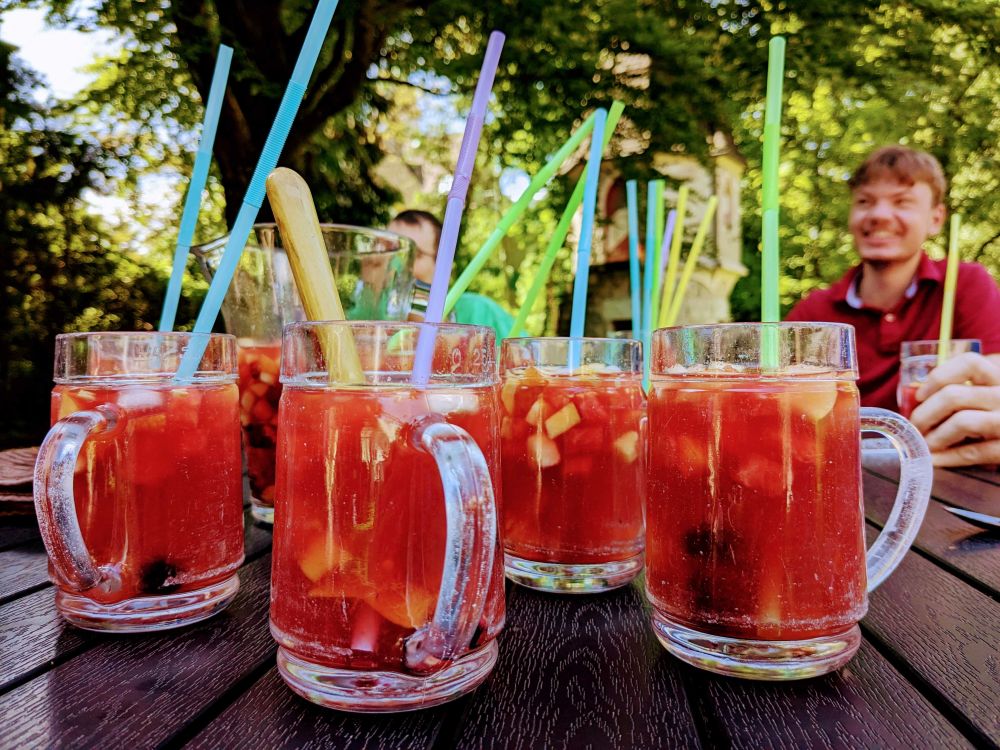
x=918, y=317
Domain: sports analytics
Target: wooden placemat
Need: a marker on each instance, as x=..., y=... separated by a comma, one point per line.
x=16, y=467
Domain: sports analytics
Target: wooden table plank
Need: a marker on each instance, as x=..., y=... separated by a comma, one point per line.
x=943, y=536
x=865, y=704
x=270, y=715
x=33, y=636
x=945, y=631
x=985, y=473
x=579, y=671
x=17, y=530
x=963, y=491
x=22, y=570
x=141, y=690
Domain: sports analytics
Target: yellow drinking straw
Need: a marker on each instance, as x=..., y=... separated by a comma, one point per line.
x=950, y=284
x=669, y=317
x=675, y=250
x=302, y=237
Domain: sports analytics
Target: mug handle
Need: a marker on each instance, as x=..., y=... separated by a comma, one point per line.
x=471, y=518
x=56, y=505
x=915, y=476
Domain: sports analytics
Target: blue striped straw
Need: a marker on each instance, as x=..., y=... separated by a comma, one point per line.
x=254, y=197
x=587, y=227
x=649, y=276
x=635, y=276
x=192, y=202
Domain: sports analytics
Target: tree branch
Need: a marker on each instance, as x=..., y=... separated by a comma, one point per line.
x=411, y=84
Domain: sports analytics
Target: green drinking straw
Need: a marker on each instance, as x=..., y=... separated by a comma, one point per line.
x=192, y=202
x=514, y=213
x=770, y=303
x=254, y=197
x=562, y=229
x=659, y=212
x=675, y=248
x=669, y=318
x=950, y=285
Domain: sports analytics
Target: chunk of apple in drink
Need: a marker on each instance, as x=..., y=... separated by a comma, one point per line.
x=814, y=401
x=627, y=446
x=538, y=413
x=563, y=420
x=542, y=450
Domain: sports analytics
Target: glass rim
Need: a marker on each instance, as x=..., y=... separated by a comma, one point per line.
x=936, y=342
x=159, y=334
x=605, y=339
x=398, y=324
x=201, y=377
x=786, y=324
x=405, y=243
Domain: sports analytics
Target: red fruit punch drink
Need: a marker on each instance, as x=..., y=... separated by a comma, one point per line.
x=755, y=556
x=360, y=526
x=572, y=464
x=757, y=520
x=916, y=361
x=260, y=393
x=156, y=489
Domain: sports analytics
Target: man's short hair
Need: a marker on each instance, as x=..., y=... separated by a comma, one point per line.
x=905, y=165
x=415, y=217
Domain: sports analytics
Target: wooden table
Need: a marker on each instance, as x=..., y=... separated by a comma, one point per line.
x=574, y=672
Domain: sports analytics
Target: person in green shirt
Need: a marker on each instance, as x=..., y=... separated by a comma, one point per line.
x=472, y=309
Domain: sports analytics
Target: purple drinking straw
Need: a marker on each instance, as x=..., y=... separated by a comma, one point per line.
x=455, y=207
x=668, y=236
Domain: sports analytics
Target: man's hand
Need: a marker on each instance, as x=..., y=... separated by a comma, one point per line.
x=959, y=411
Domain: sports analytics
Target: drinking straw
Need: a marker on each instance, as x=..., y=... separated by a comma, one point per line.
x=657, y=247
x=562, y=229
x=649, y=275
x=455, y=207
x=295, y=214
x=192, y=202
x=669, y=317
x=675, y=246
x=514, y=213
x=668, y=235
x=635, y=277
x=276, y=138
x=950, y=285
x=770, y=304
x=579, y=315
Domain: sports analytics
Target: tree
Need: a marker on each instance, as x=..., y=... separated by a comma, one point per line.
x=60, y=267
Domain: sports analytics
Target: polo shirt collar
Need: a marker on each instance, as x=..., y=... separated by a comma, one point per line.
x=847, y=290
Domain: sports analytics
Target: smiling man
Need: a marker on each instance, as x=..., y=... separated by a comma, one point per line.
x=895, y=295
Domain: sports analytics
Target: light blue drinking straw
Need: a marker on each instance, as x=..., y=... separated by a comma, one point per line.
x=424, y=354
x=586, y=238
x=635, y=276
x=192, y=202
x=254, y=197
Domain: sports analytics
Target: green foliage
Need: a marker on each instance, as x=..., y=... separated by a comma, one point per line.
x=60, y=269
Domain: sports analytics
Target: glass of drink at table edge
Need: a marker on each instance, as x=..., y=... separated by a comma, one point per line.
x=373, y=269
x=916, y=360
x=137, y=485
x=387, y=579
x=755, y=549
x=572, y=458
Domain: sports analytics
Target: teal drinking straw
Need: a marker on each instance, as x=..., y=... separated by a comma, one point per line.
x=658, y=188
x=635, y=276
x=562, y=229
x=192, y=202
x=267, y=161
x=514, y=213
x=770, y=304
x=454, y=208
x=587, y=227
